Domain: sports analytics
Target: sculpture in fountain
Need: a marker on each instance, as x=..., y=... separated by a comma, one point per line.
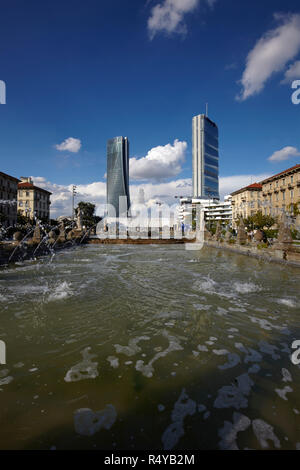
x=284, y=239
x=218, y=234
x=242, y=234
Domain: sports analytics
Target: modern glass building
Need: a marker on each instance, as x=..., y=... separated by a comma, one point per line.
x=205, y=136
x=118, y=173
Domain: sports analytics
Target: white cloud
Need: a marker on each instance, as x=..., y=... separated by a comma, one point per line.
x=228, y=184
x=271, y=54
x=160, y=162
x=284, y=154
x=70, y=144
x=292, y=73
x=168, y=16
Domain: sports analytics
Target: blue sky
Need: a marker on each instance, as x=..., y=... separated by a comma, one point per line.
x=96, y=69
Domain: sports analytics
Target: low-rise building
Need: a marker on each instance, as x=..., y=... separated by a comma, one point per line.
x=213, y=209
x=281, y=191
x=246, y=202
x=274, y=195
x=32, y=200
x=8, y=199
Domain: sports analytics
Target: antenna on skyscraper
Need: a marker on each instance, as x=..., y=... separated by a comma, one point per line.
x=206, y=110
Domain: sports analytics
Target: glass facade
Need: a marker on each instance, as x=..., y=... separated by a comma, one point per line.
x=117, y=172
x=205, y=158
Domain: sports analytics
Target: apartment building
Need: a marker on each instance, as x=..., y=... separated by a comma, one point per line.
x=246, y=202
x=8, y=199
x=32, y=200
x=213, y=209
x=272, y=196
x=281, y=191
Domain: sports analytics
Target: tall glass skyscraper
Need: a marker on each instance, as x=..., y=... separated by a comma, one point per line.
x=205, y=158
x=118, y=173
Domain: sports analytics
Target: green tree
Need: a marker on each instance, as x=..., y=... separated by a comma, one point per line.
x=88, y=214
x=259, y=221
x=22, y=219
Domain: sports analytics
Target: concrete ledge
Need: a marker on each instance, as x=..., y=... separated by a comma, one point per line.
x=138, y=241
x=291, y=258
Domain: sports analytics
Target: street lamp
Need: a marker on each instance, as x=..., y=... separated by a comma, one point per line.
x=73, y=199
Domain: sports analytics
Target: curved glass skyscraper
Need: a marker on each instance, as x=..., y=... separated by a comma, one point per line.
x=205, y=158
x=118, y=174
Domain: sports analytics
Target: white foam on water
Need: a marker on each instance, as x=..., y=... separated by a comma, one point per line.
x=60, y=292
x=148, y=369
x=220, y=352
x=6, y=380
x=161, y=408
x=235, y=395
x=282, y=392
x=202, y=306
x=266, y=325
x=182, y=408
x=87, y=422
x=230, y=431
x=114, y=361
x=202, y=347
x=286, y=375
x=287, y=302
x=221, y=311
x=264, y=433
x=246, y=287
x=132, y=347
x=18, y=365
x=86, y=369
x=207, y=285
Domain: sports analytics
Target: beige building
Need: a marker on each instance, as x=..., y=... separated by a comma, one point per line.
x=281, y=191
x=8, y=199
x=272, y=196
x=246, y=201
x=33, y=201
